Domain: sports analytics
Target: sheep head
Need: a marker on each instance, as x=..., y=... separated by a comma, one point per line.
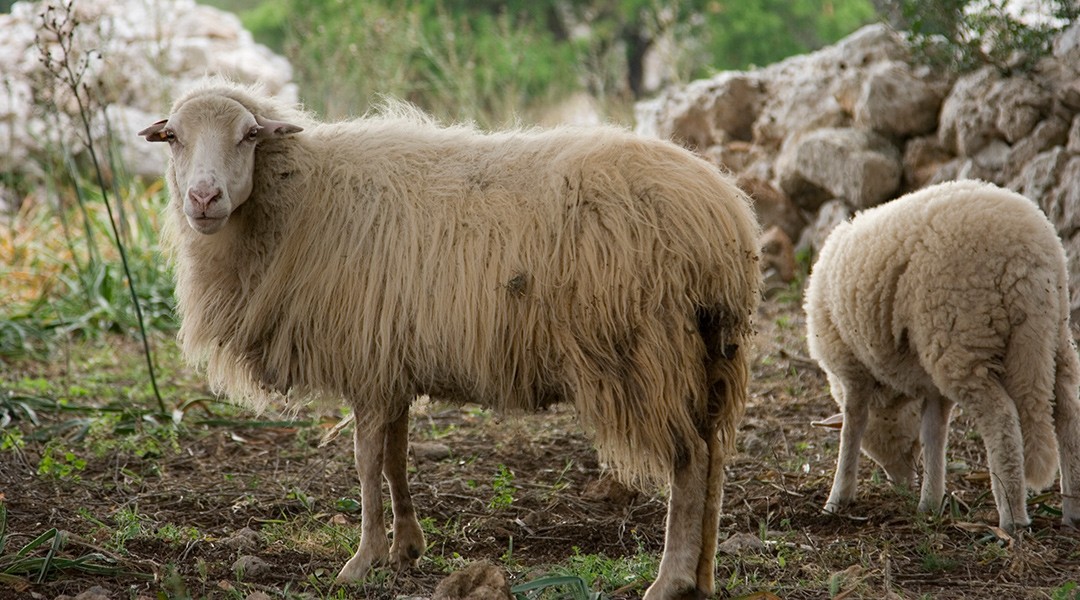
x=212, y=140
x=892, y=439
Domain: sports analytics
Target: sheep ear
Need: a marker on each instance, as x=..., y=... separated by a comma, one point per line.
x=275, y=129
x=155, y=132
x=834, y=422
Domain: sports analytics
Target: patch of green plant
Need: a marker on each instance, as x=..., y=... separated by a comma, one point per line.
x=59, y=463
x=963, y=35
x=43, y=558
x=1069, y=590
x=503, y=487
x=601, y=572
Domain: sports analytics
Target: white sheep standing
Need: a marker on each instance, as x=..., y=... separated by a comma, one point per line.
x=377, y=259
x=954, y=294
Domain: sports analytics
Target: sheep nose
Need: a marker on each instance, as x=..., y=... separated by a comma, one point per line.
x=202, y=195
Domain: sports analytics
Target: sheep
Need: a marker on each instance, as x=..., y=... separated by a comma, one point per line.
x=375, y=260
x=954, y=294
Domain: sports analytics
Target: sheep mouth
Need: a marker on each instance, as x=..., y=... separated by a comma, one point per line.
x=205, y=224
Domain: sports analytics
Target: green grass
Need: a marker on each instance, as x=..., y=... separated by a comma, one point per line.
x=47, y=556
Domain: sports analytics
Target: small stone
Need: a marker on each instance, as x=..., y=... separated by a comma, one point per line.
x=741, y=543
x=250, y=566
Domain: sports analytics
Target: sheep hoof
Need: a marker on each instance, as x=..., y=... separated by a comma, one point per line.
x=685, y=592
x=405, y=557
x=357, y=568
x=832, y=508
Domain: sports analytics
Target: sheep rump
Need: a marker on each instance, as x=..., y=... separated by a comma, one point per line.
x=387, y=257
x=955, y=294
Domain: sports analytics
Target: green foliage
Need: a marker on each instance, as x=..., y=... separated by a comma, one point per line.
x=503, y=487
x=962, y=35
x=458, y=65
x=497, y=61
x=60, y=463
x=600, y=572
x=1068, y=591
x=43, y=558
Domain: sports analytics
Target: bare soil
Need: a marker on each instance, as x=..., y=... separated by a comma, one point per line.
x=557, y=503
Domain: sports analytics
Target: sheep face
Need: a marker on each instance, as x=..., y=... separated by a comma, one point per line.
x=892, y=439
x=213, y=141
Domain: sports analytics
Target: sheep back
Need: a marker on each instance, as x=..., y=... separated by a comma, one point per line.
x=950, y=284
x=386, y=257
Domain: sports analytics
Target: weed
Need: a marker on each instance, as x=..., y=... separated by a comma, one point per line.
x=1068, y=591
x=598, y=571
x=129, y=525
x=503, y=487
x=42, y=558
x=60, y=464
x=176, y=534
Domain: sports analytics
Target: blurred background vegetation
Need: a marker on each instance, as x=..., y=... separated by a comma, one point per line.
x=494, y=61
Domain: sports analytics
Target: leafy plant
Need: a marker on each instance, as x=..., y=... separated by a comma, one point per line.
x=42, y=558
x=59, y=463
x=71, y=71
x=966, y=34
x=503, y=486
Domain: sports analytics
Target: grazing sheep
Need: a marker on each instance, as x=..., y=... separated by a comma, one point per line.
x=955, y=294
x=379, y=259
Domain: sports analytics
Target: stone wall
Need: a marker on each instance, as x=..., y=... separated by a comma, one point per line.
x=144, y=53
x=817, y=137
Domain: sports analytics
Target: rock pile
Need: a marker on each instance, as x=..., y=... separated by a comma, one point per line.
x=139, y=54
x=819, y=136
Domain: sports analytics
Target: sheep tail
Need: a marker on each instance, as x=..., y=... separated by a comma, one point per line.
x=1029, y=381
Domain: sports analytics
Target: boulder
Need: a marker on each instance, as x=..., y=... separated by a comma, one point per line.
x=832, y=213
x=967, y=121
x=773, y=207
x=858, y=165
x=895, y=101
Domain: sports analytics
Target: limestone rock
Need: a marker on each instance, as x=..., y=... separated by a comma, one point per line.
x=855, y=164
x=966, y=123
x=895, y=101
x=773, y=207
x=923, y=158
x=832, y=213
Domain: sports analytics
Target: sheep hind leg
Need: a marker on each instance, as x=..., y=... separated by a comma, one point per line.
x=998, y=423
x=677, y=577
x=1067, y=428
x=368, y=447
x=408, y=545
x=934, y=435
x=710, y=522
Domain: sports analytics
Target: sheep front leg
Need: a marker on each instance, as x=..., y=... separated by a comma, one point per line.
x=856, y=416
x=677, y=577
x=934, y=433
x=368, y=447
x=408, y=543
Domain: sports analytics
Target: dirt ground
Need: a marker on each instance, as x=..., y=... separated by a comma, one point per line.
x=527, y=493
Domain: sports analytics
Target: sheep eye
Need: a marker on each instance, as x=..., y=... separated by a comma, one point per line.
x=169, y=135
x=252, y=134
